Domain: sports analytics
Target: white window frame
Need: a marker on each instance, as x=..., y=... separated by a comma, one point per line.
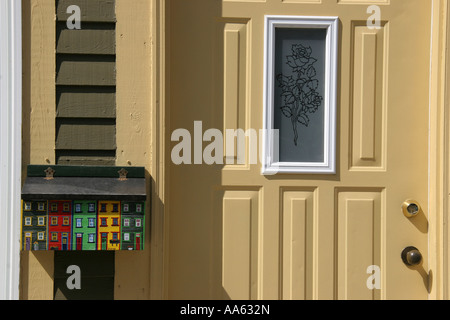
x=28, y=221
x=41, y=206
x=138, y=222
x=270, y=163
x=41, y=221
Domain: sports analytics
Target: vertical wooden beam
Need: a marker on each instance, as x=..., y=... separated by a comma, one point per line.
x=446, y=162
x=444, y=186
x=39, y=110
x=438, y=153
x=134, y=127
x=42, y=84
x=159, y=223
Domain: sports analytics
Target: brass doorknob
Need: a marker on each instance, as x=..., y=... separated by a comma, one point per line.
x=411, y=256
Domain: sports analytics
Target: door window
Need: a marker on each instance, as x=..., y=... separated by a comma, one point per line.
x=300, y=89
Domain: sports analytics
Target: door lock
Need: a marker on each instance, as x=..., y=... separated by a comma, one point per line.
x=411, y=256
x=411, y=208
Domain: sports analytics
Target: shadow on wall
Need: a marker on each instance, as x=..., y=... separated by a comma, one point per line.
x=195, y=93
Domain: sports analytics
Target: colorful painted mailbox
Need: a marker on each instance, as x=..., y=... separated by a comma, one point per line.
x=83, y=208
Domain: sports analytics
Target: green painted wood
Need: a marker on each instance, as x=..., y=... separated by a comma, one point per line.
x=86, y=73
x=93, y=264
x=85, y=134
x=84, y=171
x=97, y=275
x=85, y=84
x=86, y=41
x=91, y=10
x=92, y=289
x=85, y=102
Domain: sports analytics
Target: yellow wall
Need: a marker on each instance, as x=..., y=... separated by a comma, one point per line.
x=135, y=49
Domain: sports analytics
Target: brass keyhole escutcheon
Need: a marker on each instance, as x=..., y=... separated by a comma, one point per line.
x=411, y=208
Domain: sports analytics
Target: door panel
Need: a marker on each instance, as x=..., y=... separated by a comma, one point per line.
x=369, y=71
x=28, y=243
x=237, y=234
x=298, y=213
x=79, y=242
x=238, y=251
x=64, y=245
x=138, y=242
x=360, y=216
x=104, y=241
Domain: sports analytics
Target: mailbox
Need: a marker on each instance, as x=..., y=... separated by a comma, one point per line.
x=83, y=208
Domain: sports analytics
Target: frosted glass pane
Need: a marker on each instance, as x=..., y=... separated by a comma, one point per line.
x=299, y=93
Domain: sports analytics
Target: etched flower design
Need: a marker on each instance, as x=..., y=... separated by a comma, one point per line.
x=300, y=58
x=299, y=90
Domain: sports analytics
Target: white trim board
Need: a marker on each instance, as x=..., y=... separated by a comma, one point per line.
x=10, y=146
x=270, y=163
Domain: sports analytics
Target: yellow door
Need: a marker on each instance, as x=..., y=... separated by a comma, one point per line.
x=235, y=233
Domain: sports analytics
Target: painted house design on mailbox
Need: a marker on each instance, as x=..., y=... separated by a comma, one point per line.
x=34, y=225
x=133, y=220
x=108, y=225
x=76, y=211
x=84, y=225
x=60, y=225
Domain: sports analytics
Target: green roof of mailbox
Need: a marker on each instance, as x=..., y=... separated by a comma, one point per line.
x=85, y=183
